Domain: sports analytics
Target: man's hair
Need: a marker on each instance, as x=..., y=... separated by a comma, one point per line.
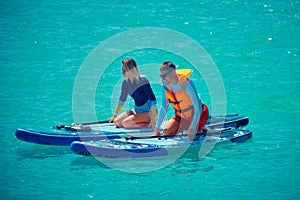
x=167, y=66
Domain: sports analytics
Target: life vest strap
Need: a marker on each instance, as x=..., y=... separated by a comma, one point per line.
x=175, y=102
x=184, y=110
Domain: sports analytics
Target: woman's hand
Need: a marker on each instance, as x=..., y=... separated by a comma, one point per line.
x=156, y=131
x=153, y=117
x=152, y=122
x=112, y=119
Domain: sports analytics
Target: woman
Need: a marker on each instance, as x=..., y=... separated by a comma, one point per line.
x=138, y=87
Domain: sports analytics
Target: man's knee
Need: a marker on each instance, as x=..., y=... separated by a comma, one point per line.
x=170, y=131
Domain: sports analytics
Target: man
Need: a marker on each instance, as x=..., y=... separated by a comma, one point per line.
x=179, y=92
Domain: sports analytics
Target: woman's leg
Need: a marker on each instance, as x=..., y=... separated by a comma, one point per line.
x=119, y=120
x=137, y=120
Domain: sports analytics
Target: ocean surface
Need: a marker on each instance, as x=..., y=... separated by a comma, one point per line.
x=250, y=64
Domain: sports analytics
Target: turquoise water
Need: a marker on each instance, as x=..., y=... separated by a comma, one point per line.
x=254, y=44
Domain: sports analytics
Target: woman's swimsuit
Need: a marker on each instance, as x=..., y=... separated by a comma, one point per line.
x=141, y=93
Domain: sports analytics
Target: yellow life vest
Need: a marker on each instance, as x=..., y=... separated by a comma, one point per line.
x=180, y=100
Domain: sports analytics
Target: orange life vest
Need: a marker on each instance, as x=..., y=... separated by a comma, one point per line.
x=180, y=101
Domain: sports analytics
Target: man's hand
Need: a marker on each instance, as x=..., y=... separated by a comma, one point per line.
x=191, y=134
